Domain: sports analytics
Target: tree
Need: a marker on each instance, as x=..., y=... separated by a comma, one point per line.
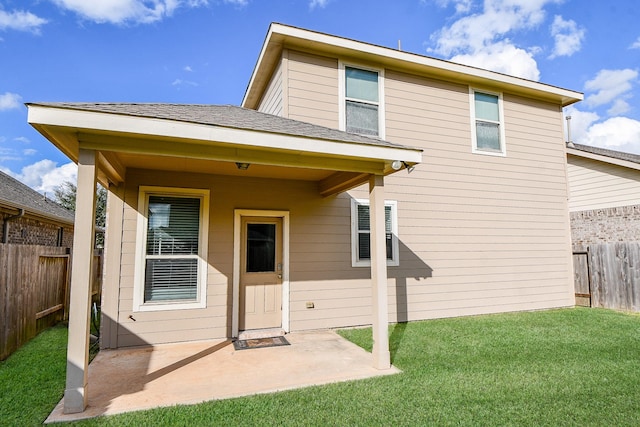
x=65, y=195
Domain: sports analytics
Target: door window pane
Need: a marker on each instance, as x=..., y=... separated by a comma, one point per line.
x=261, y=247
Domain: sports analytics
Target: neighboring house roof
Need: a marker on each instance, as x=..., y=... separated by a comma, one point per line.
x=282, y=37
x=618, y=158
x=221, y=115
x=17, y=195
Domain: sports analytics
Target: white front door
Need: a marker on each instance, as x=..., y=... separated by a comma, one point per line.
x=260, y=273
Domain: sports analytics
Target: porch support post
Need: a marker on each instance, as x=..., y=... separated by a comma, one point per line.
x=381, y=356
x=111, y=275
x=75, y=394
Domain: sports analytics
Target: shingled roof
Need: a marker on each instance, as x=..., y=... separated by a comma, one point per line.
x=17, y=195
x=229, y=116
x=635, y=158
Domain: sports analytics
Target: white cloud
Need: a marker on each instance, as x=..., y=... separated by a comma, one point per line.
x=635, y=44
x=503, y=58
x=609, y=85
x=10, y=101
x=180, y=82
x=480, y=39
x=568, y=37
x=499, y=17
x=188, y=69
x=126, y=11
x=6, y=153
x=580, y=122
x=44, y=176
x=318, y=3
x=236, y=2
x=461, y=6
x=29, y=151
x=22, y=139
x=619, y=107
x=617, y=133
x=20, y=20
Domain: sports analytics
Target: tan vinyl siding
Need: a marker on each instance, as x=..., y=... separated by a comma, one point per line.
x=478, y=234
x=312, y=91
x=595, y=185
x=272, y=102
x=319, y=250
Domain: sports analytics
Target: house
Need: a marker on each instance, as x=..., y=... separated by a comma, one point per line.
x=604, y=208
x=356, y=185
x=30, y=218
x=604, y=197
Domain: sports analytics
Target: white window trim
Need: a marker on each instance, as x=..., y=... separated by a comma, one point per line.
x=355, y=262
x=141, y=237
x=474, y=140
x=343, y=98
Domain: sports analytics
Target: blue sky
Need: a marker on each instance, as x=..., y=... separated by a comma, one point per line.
x=203, y=51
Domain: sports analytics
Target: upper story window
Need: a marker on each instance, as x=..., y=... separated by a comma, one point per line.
x=171, y=267
x=487, y=123
x=361, y=233
x=361, y=106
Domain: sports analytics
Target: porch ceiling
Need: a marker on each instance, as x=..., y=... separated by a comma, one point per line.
x=157, y=136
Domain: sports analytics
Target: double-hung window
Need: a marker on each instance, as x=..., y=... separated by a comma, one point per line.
x=172, y=247
x=487, y=123
x=361, y=233
x=361, y=106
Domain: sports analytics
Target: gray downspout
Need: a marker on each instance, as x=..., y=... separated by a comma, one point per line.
x=5, y=225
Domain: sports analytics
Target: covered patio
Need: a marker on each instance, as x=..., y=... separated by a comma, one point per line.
x=127, y=380
x=108, y=141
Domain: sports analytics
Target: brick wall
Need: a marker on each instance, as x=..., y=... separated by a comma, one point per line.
x=30, y=231
x=609, y=225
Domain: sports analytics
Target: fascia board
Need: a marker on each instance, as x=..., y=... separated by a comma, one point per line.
x=604, y=159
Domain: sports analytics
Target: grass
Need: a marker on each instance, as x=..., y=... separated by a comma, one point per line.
x=32, y=379
x=560, y=367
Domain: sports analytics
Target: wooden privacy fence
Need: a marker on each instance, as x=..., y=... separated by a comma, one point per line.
x=608, y=275
x=34, y=291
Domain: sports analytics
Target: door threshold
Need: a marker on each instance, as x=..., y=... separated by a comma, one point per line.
x=253, y=334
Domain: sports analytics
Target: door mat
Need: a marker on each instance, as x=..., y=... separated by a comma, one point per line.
x=260, y=343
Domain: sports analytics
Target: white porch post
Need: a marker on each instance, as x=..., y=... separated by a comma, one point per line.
x=75, y=394
x=381, y=356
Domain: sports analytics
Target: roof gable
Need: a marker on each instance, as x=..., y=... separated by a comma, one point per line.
x=282, y=36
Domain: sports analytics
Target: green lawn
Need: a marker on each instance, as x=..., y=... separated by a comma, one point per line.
x=32, y=379
x=561, y=367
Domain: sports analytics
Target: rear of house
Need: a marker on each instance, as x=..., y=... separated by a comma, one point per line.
x=370, y=185
x=482, y=222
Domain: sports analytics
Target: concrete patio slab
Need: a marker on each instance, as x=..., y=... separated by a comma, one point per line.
x=186, y=373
